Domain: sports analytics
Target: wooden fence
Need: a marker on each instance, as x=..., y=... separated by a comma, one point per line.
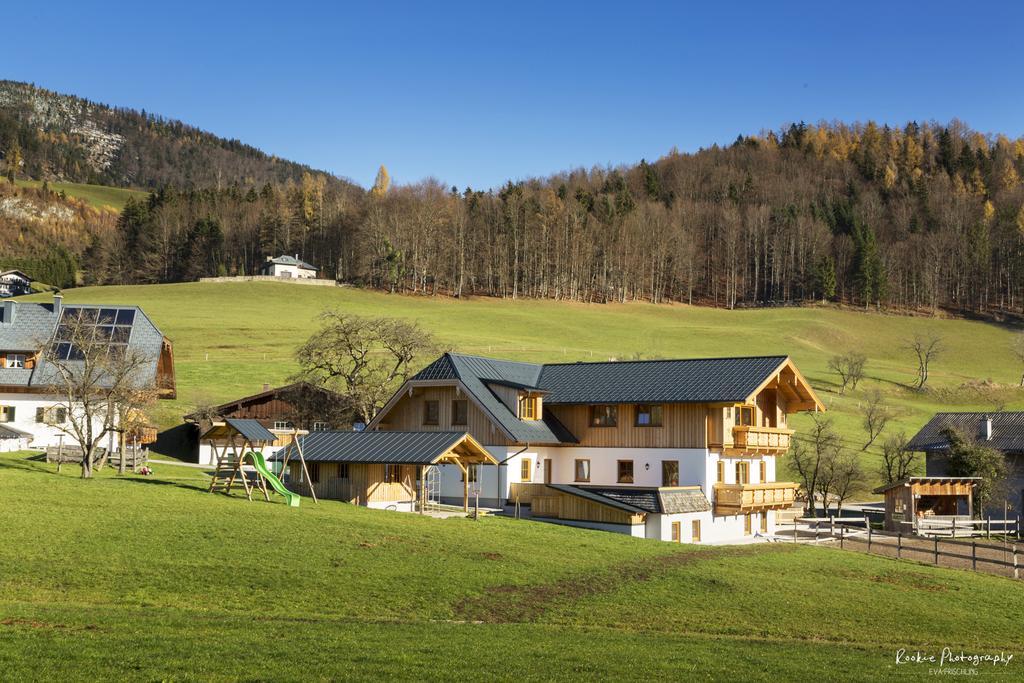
x=134, y=457
x=857, y=534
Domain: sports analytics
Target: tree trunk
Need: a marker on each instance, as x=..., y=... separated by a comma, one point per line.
x=121, y=450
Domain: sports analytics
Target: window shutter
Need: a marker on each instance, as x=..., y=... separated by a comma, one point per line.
x=40, y=414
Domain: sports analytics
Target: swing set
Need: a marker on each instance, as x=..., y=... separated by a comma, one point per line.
x=236, y=443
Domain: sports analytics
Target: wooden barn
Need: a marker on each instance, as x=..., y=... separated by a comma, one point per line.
x=284, y=411
x=391, y=470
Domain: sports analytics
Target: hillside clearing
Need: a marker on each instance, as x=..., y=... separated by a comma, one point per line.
x=99, y=196
x=174, y=582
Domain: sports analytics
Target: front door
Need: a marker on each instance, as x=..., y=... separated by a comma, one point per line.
x=547, y=471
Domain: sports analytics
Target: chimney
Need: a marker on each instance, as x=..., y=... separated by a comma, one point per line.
x=266, y=387
x=986, y=427
x=296, y=257
x=7, y=312
x=58, y=304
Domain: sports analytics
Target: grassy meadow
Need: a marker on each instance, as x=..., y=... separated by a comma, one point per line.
x=152, y=578
x=230, y=338
x=99, y=196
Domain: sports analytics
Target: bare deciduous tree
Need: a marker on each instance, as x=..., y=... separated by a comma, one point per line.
x=842, y=476
x=896, y=459
x=877, y=416
x=926, y=348
x=850, y=368
x=91, y=376
x=810, y=455
x=362, y=359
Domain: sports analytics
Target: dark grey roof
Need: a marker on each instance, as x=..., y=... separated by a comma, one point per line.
x=1007, y=431
x=251, y=429
x=291, y=261
x=700, y=380
x=396, y=448
x=639, y=499
x=710, y=380
x=31, y=326
x=476, y=373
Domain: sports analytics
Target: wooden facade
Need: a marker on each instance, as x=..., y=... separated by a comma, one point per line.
x=683, y=426
x=364, y=483
x=558, y=505
x=407, y=415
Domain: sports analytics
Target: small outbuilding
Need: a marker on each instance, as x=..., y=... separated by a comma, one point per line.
x=395, y=470
x=917, y=502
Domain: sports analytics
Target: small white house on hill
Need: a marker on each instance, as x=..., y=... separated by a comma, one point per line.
x=288, y=266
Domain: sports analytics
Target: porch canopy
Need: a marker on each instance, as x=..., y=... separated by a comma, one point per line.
x=910, y=499
x=421, y=449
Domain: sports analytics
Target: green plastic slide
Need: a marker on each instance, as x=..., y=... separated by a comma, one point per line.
x=261, y=466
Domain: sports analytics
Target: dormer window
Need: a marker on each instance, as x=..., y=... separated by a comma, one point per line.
x=14, y=360
x=529, y=408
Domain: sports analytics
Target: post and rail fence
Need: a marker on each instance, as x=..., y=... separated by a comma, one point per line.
x=953, y=547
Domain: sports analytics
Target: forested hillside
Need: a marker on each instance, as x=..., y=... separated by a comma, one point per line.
x=925, y=217
x=928, y=216
x=50, y=136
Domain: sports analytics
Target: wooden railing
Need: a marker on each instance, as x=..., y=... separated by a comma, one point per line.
x=773, y=439
x=742, y=498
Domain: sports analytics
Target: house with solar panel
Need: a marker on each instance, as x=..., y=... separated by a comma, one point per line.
x=30, y=414
x=678, y=450
x=1001, y=430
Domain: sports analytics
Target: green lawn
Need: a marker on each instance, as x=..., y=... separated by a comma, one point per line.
x=152, y=578
x=231, y=338
x=100, y=196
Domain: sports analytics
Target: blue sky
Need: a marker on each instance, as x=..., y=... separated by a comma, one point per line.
x=477, y=93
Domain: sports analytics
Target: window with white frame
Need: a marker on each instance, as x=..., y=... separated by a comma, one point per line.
x=14, y=360
x=282, y=425
x=320, y=427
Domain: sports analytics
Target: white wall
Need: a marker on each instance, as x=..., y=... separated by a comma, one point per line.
x=43, y=434
x=279, y=270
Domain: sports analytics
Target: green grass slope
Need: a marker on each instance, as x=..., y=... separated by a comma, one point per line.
x=152, y=578
x=231, y=338
x=100, y=196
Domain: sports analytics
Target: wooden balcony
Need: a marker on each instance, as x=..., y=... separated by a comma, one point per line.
x=738, y=499
x=766, y=440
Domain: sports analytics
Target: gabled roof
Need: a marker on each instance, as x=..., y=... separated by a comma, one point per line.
x=395, y=448
x=475, y=373
x=251, y=430
x=286, y=260
x=230, y=405
x=1007, y=431
x=699, y=380
x=30, y=327
x=704, y=380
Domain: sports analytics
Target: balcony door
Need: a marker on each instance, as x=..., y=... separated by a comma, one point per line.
x=547, y=471
x=742, y=473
